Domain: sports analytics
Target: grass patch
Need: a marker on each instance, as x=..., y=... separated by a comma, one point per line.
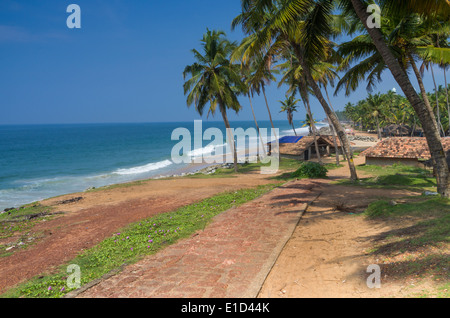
x=18, y=222
x=253, y=167
x=136, y=241
x=395, y=176
x=118, y=185
x=419, y=243
x=23, y=211
x=15, y=220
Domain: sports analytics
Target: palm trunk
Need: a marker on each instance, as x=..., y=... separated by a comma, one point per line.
x=229, y=135
x=413, y=128
x=268, y=110
x=422, y=88
x=446, y=95
x=293, y=128
x=256, y=124
x=313, y=128
x=431, y=132
x=438, y=112
x=333, y=131
x=334, y=120
x=378, y=129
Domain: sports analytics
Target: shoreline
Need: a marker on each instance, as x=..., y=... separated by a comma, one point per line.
x=244, y=155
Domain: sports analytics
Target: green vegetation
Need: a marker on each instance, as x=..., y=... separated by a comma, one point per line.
x=136, y=241
x=18, y=222
x=24, y=212
x=310, y=170
x=395, y=176
x=285, y=165
x=419, y=245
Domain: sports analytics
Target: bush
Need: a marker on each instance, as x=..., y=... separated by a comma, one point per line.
x=310, y=170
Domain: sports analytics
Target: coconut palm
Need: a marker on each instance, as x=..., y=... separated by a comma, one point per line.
x=302, y=26
x=214, y=80
x=294, y=78
x=248, y=78
x=405, y=37
x=374, y=104
x=289, y=105
x=262, y=72
x=352, y=7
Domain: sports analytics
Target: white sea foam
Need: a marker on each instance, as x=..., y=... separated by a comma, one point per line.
x=208, y=150
x=145, y=168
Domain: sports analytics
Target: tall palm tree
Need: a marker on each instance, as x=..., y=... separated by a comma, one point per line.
x=214, y=80
x=248, y=78
x=262, y=72
x=294, y=78
x=405, y=36
x=326, y=74
x=302, y=26
x=426, y=118
x=289, y=105
x=375, y=103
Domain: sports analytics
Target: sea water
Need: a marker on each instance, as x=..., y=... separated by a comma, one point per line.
x=42, y=161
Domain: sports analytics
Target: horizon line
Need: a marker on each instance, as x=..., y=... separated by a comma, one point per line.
x=125, y=123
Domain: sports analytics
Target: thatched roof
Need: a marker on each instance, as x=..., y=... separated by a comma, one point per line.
x=299, y=147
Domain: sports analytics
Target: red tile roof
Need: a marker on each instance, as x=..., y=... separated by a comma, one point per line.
x=403, y=147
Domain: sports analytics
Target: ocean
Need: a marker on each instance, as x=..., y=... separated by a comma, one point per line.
x=43, y=161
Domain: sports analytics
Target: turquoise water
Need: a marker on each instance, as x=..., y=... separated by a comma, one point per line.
x=41, y=161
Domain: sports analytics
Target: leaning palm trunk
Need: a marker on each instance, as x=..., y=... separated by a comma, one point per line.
x=313, y=128
x=438, y=112
x=333, y=131
x=257, y=126
x=268, y=110
x=446, y=95
x=334, y=120
x=422, y=88
x=291, y=121
x=333, y=134
x=230, y=136
x=430, y=129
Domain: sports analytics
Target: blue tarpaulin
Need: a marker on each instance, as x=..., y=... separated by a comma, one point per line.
x=289, y=139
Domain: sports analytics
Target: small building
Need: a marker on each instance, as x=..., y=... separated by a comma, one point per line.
x=412, y=151
x=303, y=147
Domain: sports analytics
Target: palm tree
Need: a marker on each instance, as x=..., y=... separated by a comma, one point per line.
x=248, y=78
x=294, y=77
x=214, y=80
x=289, y=105
x=405, y=37
x=303, y=27
x=326, y=74
x=262, y=72
x=426, y=118
x=375, y=103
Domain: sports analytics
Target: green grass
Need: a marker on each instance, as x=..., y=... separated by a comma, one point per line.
x=25, y=210
x=284, y=166
x=14, y=223
x=395, y=176
x=419, y=244
x=433, y=213
x=137, y=240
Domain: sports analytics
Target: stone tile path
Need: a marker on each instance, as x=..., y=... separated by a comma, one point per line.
x=231, y=257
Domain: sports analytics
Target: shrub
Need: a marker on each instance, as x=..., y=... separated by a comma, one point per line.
x=310, y=170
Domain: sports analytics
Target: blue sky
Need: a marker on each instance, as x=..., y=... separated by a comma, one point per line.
x=125, y=64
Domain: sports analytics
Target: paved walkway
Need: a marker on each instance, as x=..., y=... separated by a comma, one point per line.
x=230, y=258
